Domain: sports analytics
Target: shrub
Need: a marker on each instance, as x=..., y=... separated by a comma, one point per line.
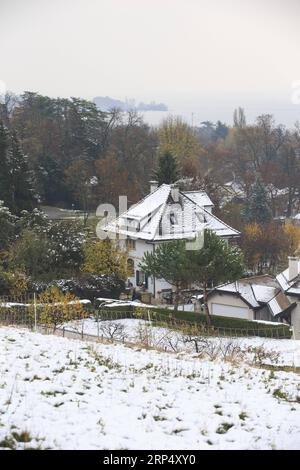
x=55, y=308
x=84, y=287
x=105, y=257
x=13, y=283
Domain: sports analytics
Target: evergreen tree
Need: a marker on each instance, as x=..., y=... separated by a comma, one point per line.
x=169, y=262
x=21, y=184
x=7, y=226
x=16, y=187
x=257, y=207
x=31, y=253
x=221, y=131
x=4, y=173
x=167, y=170
x=214, y=263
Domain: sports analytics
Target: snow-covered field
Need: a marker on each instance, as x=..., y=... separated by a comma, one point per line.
x=69, y=394
x=140, y=331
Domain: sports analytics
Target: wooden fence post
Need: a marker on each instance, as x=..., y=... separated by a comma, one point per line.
x=35, y=311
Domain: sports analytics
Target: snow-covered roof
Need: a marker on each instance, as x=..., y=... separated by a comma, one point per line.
x=162, y=216
x=289, y=286
x=243, y=290
x=200, y=198
x=235, y=188
x=263, y=293
x=258, y=292
x=278, y=304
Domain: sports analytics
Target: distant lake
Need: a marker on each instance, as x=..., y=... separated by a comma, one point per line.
x=212, y=108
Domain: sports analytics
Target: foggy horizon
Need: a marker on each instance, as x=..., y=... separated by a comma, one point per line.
x=202, y=59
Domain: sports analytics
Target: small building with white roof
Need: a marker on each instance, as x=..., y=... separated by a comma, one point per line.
x=263, y=298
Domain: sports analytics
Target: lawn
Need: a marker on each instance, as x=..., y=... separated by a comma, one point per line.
x=65, y=394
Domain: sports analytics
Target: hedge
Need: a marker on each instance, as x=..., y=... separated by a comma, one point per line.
x=242, y=327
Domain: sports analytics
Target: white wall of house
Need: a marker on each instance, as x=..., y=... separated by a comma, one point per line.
x=229, y=306
x=295, y=317
x=136, y=254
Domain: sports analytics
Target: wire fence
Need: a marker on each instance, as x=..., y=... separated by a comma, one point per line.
x=107, y=325
x=191, y=327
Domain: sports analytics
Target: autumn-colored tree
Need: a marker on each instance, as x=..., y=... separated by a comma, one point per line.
x=14, y=283
x=264, y=246
x=178, y=138
x=113, y=178
x=105, y=257
x=292, y=233
x=55, y=308
x=251, y=237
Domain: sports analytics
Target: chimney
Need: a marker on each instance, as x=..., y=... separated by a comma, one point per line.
x=293, y=267
x=175, y=193
x=153, y=186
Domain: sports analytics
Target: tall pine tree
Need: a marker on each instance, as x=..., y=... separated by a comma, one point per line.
x=257, y=207
x=4, y=165
x=167, y=170
x=22, y=191
x=16, y=186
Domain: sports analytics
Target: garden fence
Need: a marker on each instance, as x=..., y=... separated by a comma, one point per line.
x=25, y=311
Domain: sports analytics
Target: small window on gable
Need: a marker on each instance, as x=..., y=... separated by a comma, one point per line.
x=173, y=218
x=201, y=217
x=160, y=228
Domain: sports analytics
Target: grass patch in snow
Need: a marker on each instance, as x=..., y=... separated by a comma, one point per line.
x=224, y=428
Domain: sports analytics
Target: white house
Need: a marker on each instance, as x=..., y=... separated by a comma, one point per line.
x=163, y=215
x=261, y=297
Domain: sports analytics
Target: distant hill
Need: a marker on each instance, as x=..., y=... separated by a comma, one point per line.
x=106, y=103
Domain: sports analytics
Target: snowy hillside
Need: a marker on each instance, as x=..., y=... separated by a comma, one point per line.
x=65, y=394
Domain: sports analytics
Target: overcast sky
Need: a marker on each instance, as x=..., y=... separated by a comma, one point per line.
x=150, y=49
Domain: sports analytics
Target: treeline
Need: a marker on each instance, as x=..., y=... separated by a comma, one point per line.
x=68, y=152
x=77, y=154
x=37, y=253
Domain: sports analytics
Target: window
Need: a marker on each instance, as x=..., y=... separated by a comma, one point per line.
x=201, y=217
x=130, y=244
x=130, y=267
x=141, y=279
x=160, y=228
x=173, y=218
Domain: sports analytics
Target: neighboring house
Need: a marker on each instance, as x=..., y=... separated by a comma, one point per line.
x=261, y=297
x=289, y=281
x=234, y=191
x=165, y=214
